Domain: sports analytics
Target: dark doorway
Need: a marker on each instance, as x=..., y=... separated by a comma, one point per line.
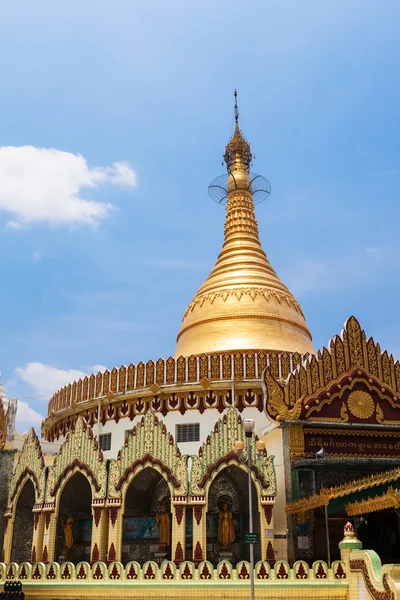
x=146, y=494
x=231, y=487
x=380, y=532
x=76, y=502
x=23, y=526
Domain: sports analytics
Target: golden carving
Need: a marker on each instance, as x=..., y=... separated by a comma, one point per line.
x=203, y=366
x=114, y=380
x=92, y=383
x=131, y=377
x=170, y=370
x=238, y=365
x=277, y=401
x=122, y=379
x=285, y=365
x=140, y=375
x=149, y=373
x=155, y=388
x=328, y=494
x=226, y=366
x=106, y=383
x=205, y=383
x=99, y=386
x=339, y=355
x=371, y=352
x=160, y=371
x=192, y=368
x=215, y=365
x=391, y=499
x=361, y=404
x=181, y=369
x=355, y=342
x=296, y=442
x=250, y=366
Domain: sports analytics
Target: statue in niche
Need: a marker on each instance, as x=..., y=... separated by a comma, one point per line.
x=226, y=525
x=67, y=524
x=164, y=527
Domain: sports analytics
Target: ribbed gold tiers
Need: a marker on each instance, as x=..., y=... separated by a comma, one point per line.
x=242, y=305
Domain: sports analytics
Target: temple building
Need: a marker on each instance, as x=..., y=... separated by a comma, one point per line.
x=147, y=469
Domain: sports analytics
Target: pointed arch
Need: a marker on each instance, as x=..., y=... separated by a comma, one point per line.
x=150, y=445
x=79, y=452
x=30, y=465
x=218, y=452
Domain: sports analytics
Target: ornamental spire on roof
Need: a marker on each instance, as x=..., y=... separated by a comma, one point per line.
x=242, y=305
x=237, y=152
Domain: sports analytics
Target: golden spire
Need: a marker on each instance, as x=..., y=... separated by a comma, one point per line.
x=242, y=305
x=237, y=152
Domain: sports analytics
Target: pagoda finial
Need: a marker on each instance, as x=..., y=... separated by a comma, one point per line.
x=237, y=152
x=236, y=109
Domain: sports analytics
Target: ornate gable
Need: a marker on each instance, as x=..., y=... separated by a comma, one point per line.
x=351, y=382
x=80, y=450
x=219, y=450
x=30, y=464
x=150, y=443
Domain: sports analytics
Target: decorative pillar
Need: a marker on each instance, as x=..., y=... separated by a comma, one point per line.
x=199, y=533
x=49, y=535
x=8, y=536
x=178, y=538
x=100, y=523
x=267, y=530
x=115, y=527
x=38, y=533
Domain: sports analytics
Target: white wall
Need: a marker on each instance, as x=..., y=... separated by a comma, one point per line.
x=206, y=420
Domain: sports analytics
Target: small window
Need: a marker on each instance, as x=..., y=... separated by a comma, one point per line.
x=188, y=432
x=105, y=441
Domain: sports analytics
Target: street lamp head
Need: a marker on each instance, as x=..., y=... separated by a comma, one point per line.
x=248, y=426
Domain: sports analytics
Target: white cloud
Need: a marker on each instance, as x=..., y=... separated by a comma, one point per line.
x=45, y=380
x=98, y=368
x=37, y=256
x=27, y=417
x=45, y=185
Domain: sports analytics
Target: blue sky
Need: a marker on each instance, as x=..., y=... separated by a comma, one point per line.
x=114, y=118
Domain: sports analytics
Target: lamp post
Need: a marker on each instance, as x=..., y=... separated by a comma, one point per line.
x=248, y=426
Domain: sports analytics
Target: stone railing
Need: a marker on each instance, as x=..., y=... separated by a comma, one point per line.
x=186, y=572
x=246, y=366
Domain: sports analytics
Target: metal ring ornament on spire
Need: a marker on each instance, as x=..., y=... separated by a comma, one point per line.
x=259, y=186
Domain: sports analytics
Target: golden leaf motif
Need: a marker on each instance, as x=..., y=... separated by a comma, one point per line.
x=371, y=351
x=361, y=404
x=170, y=370
x=379, y=414
x=250, y=366
x=354, y=338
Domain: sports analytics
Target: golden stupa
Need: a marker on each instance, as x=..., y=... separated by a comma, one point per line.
x=242, y=305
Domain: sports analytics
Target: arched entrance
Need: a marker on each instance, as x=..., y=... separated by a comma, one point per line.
x=75, y=507
x=229, y=492
x=147, y=493
x=23, y=524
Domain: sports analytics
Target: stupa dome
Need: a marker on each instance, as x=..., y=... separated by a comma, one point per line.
x=242, y=305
